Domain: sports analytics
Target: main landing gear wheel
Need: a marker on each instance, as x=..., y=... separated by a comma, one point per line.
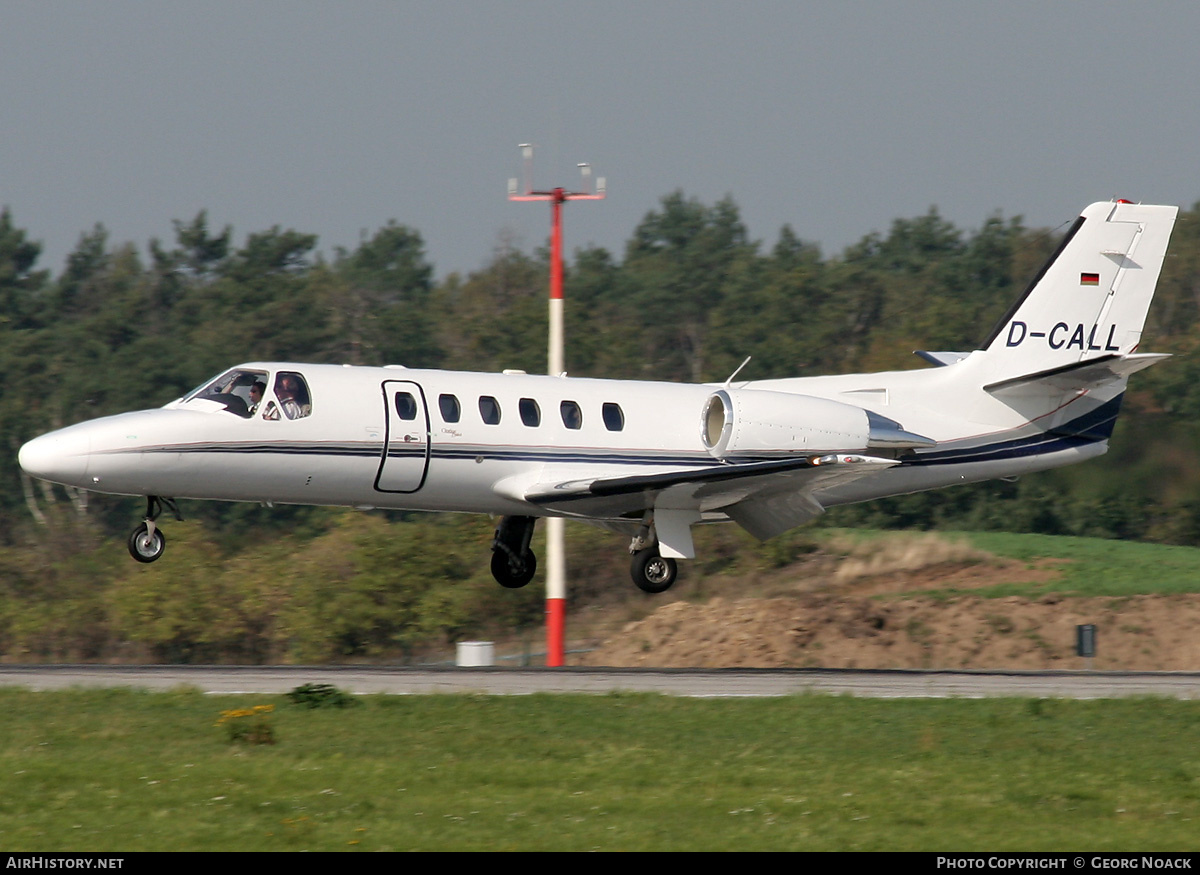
x=652, y=573
x=511, y=572
x=513, y=563
x=144, y=546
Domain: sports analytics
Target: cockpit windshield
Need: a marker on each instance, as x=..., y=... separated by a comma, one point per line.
x=240, y=391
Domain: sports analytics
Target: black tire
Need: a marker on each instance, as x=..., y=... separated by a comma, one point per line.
x=509, y=577
x=653, y=573
x=144, y=548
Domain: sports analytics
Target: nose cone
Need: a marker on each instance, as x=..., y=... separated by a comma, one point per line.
x=60, y=457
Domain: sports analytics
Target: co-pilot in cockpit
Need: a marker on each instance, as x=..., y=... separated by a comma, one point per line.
x=241, y=392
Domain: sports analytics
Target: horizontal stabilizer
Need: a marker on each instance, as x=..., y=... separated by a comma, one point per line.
x=941, y=359
x=1088, y=374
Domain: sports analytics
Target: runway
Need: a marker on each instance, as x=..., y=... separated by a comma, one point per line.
x=881, y=684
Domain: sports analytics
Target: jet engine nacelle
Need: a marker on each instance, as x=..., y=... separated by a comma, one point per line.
x=755, y=422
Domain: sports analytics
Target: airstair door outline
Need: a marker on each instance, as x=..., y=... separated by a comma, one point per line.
x=405, y=459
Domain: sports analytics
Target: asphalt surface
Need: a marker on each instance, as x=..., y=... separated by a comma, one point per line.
x=676, y=682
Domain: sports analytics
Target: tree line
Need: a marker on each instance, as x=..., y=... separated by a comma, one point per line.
x=689, y=298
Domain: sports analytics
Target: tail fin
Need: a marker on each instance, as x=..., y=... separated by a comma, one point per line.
x=1090, y=299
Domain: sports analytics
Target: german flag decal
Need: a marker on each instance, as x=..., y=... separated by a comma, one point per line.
x=1089, y=279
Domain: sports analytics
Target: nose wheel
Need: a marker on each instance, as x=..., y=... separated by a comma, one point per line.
x=147, y=542
x=146, y=545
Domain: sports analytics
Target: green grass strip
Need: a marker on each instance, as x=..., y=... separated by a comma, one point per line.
x=120, y=770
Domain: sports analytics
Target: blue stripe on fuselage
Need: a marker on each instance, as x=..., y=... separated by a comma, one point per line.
x=1089, y=428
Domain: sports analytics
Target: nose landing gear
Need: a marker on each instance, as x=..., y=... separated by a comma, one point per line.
x=147, y=542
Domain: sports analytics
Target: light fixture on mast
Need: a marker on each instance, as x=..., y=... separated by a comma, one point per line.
x=556, y=567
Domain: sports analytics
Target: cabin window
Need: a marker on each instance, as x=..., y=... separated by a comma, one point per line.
x=448, y=404
x=406, y=405
x=292, y=392
x=489, y=409
x=614, y=417
x=531, y=414
x=572, y=416
x=239, y=391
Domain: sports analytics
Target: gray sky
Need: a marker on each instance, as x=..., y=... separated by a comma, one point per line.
x=835, y=117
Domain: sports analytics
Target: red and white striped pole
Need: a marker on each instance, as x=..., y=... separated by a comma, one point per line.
x=556, y=554
x=556, y=564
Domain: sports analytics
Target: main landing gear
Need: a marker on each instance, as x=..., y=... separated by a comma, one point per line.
x=650, y=571
x=147, y=542
x=513, y=563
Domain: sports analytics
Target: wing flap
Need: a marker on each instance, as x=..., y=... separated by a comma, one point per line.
x=770, y=515
x=766, y=498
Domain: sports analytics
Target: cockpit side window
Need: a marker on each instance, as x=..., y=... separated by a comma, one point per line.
x=239, y=391
x=291, y=390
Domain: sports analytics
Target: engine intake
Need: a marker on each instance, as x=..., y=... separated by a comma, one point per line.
x=758, y=422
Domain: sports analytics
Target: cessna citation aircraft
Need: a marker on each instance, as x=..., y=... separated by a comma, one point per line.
x=649, y=460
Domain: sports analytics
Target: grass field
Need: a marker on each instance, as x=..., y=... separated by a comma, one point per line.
x=1088, y=566
x=120, y=770
x=1099, y=567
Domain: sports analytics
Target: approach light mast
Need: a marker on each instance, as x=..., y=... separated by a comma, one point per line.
x=556, y=566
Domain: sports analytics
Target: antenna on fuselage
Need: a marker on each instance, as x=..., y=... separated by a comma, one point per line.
x=738, y=371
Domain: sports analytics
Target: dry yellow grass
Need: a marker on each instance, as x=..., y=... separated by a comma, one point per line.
x=902, y=551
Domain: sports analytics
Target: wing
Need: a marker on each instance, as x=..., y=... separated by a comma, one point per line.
x=765, y=498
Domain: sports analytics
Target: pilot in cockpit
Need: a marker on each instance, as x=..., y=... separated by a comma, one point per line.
x=286, y=390
x=256, y=395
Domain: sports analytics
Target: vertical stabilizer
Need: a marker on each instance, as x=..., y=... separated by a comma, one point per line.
x=1090, y=299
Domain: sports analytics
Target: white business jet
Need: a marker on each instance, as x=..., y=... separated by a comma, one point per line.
x=650, y=460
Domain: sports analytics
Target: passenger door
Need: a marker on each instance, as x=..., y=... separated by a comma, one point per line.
x=405, y=460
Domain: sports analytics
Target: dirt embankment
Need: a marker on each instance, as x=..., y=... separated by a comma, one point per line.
x=863, y=612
